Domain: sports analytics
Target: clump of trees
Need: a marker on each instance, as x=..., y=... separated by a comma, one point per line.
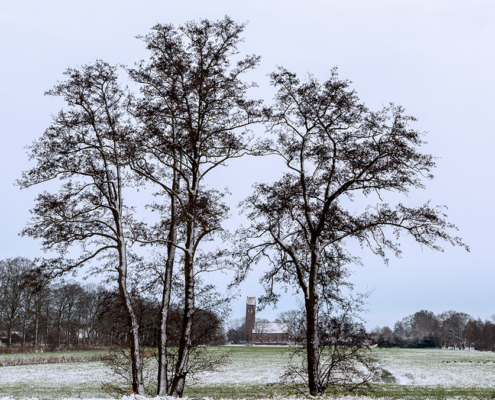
x=449, y=329
x=46, y=315
x=188, y=121
x=191, y=115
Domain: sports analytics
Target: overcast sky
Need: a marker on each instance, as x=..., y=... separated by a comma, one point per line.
x=435, y=58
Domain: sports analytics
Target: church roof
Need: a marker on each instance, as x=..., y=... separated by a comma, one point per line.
x=251, y=301
x=270, y=327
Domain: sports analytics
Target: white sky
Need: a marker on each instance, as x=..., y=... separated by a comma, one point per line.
x=436, y=58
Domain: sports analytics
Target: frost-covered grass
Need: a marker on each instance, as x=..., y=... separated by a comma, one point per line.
x=254, y=373
x=440, y=367
x=432, y=373
x=250, y=363
x=437, y=373
x=53, y=381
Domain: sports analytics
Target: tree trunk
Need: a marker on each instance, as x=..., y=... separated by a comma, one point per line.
x=312, y=337
x=36, y=326
x=47, y=328
x=23, y=343
x=59, y=329
x=136, y=367
x=67, y=333
x=185, y=339
x=165, y=308
x=167, y=289
x=313, y=355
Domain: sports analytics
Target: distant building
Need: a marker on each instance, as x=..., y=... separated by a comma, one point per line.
x=15, y=337
x=250, y=315
x=265, y=332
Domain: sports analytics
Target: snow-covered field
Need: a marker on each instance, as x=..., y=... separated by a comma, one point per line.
x=440, y=367
x=258, y=364
x=254, y=372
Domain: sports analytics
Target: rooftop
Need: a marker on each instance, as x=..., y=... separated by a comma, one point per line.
x=270, y=327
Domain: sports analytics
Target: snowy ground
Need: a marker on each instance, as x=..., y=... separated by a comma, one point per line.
x=52, y=381
x=207, y=398
x=250, y=364
x=254, y=372
x=440, y=367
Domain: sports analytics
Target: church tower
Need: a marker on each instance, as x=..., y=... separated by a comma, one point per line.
x=250, y=316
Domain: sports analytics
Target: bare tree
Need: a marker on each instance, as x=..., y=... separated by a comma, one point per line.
x=93, y=303
x=39, y=287
x=14, y=293
x=334, y=148
x=453, y=326
x=236, y=331
x=72, y=292
x=294, y=320
x=386, y=333
x=83, y=147
x=260, y=328
x=194, y=117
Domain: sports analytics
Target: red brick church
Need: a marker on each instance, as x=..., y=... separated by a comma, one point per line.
x=264, y=332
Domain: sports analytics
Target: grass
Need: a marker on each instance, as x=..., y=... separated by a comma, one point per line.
x=54, y=358
x=254, y=372
x=430, y=392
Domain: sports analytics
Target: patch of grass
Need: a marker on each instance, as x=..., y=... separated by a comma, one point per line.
x=55, y=359
x=48, y=392
x=238, y=391
x=387, y=377
x=48, y=354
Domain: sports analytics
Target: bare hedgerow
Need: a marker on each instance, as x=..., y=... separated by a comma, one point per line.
x=8, y=362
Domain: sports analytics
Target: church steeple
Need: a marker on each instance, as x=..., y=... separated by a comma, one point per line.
x=250, y=316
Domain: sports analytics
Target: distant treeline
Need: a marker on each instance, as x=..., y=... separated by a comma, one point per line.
x=43, y=314
x=450, y=329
